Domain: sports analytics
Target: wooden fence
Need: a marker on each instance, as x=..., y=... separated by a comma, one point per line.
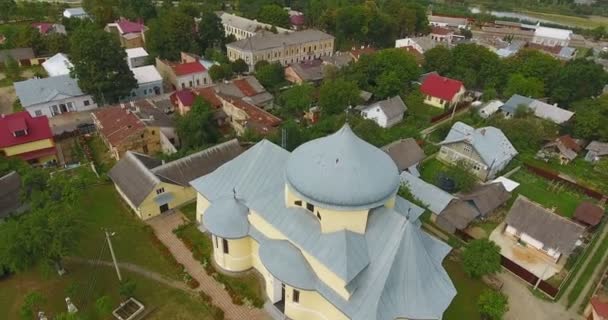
x=448, y=113
x=547, y=174
x=528, y=276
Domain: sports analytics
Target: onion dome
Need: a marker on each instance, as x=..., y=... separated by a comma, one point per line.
x=227, y=218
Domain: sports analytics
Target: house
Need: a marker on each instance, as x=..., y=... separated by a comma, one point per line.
x=131, y=34
x=552, y=36
x=357, y=53
x=183, y=100
x=546, y=231
x=28, y=138
x=325, y=229
x=53, y=96
x=406, y=153
x=596, y=151
x=25, y=57
x=247, y=88
x=490, y=108
x=243, y=28
x=338, y=59
x=297, y=21
x=57, y=65
x=284, y=48
x=75, y=13
x=386, y=113
x=441, y=34
x=138, y=126
x=312, y=71
x=46, y=28
x=435, y=199
x=541, y=109
x=588, y=214
x=480, y=203
x=442, y=92
x=136, y=57
x=10, y=195
x=151, y=187
x=418, y=44
x=446, y=21
x=485, y=150
x=564, y=148
x=184, y=75
x=243, y=115
x=510, y=50
x=599, y=305
x=149, y=82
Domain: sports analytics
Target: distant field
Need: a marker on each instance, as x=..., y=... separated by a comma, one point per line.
x=582, y=22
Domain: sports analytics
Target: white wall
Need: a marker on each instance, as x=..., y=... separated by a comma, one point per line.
x=147, y=90
x=375, y=113
x=195, y=80
x=78, y=104
x=135, y=62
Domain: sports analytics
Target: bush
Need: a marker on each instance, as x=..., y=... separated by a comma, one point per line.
x=481, y=257
x=492, y=304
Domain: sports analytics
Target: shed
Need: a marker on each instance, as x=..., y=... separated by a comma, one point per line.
x=588, y=214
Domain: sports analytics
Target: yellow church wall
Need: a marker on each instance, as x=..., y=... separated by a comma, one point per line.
x=238, y=257
x=264, y=227
x=201, y=205
x=28, y=147
x=327, y=276
x=310, y=306
x=181, y=195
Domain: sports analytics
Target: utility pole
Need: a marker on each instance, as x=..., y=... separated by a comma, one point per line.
x=112, y=253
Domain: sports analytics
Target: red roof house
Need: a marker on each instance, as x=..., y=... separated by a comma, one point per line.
x=442, y=91
x=182, y=69
x=29, y=138
x=600, y=309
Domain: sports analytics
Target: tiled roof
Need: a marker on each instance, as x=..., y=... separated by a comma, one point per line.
x=440, y=31
x=259, y=119
x=245, y=87
x=127, y=26
x=182, y=69
x=117, y=124
x=208, y=94
x=441, y=87
x=186, y=97
x=589, y=213
x=600, y=306
x=37, y=128
x=43, y=27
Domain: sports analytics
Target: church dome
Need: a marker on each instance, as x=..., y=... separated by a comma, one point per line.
x=227, y=218
x=342, y=171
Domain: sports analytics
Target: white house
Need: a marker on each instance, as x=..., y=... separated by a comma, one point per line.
x=385, y=113
x=52, y=96
x=136, y=57
x=490, y=108
x=149, y=82
x=57, y=65
x=75, y=13
x=451, y=22
x=552, y=37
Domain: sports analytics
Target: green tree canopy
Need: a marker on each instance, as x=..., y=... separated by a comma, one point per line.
x=481, y=257
x=136, y=9
x=337, y=95
x=581, y=71
x=197, y=128
x=534, y=63
x=100, y=65
x=493, y=304
x=591, y=119
x=171, y=33
x=240, y=66
x=296, y=100
x=210, y=31
x=438, y=59
x=271, y=76
x=525, y=86
x=275, y=15
x=102, y=11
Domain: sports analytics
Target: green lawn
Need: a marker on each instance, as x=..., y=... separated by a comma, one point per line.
x=189, y=211
x=430, y=168
x=579, y=169
x=547, y=193
x=102, y=208
x=85, y=284
x=464, y=305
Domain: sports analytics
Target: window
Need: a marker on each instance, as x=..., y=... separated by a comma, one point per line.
x=298, y=203
x=217, y=245
x=160, y=190
x=319, y=215
x=86, y=102
x=310, y=207
x=190, y=82
x=467, y=148
x=296, y=296
x=38, y=113
x=225, y=246
x=152, y=132
x=198, y=82
x=19, y=133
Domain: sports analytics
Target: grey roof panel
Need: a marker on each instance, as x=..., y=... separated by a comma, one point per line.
x=393, y=107
x=286, y=263
x=227, y=218
x=515, y=101
x=436, y=199
x=269, y=40
x=35, y=91
x=405, y=153
x=133, y=178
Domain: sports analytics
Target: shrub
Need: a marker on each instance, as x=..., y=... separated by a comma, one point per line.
x=493, y=305
x=481, y=257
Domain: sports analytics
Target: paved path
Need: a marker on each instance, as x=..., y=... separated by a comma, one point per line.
x=523, y=305
x=163, y=226
x=437, y=124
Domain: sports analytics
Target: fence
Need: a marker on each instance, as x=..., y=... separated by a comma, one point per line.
x=528, y=276
x=555, y=177
x=448, y=113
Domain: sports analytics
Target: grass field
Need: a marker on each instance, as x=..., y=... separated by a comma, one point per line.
x=582, y=22
x=464, y=305
x=579, y=169
x=586, y=274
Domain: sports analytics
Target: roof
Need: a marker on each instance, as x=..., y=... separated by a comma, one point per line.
x=404, y=276
x=10, y=193
x=17, y=54
x=342, y=171
x=432, y=196
x=35, y=91
x=567, y=53
x=257, y=118
x=208, y=94
x=392, y=107
x=460, y=214
x=507, y=183
x=310, y=70
x=589, y=213
x=246, y=87
x=357, y=53
x=267, y=40
x=182, y=69
x=126, y=26
x=75, y=12
x=441, y=87
x=136, y=52
x=185, y=96
x=43, y=27
x=487, y=197
x=553, y=230
x=227, y=218
x=146, y=74
x=555, y=33
x=600, y=306
x=338, y=59
x=57, y=65
x=489, y=142
x=37, y=128
x=245, y=24
x=490, y=108
x=441, y=31
x=138, y=174
x=452, y=21
x=297, y=20
x=405, y=153
x=600, y=148
x=541, y=109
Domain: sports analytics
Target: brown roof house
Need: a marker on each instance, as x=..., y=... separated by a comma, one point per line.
x=138, y=126
x=311, y=71
x=151, y=187
x=406, y=153
x=588, y=214
x=243, y=115
x=564, y=148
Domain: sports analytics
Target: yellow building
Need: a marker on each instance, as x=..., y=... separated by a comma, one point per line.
x=151, y=187
x=326, y=230
x=442, y=92
x=27, y=138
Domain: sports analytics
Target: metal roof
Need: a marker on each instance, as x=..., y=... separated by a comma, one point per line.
x=405, y=153
x=392, y=107
x=269, y=40
x=436, y=199
x=227, y=217
x=342, y=171
x=35, y=91
x=57, y=65
x=286, y=263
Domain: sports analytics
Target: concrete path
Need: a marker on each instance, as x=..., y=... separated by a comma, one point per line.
x=163, y=226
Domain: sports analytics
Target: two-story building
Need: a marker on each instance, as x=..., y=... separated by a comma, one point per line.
x=184, y=74
x=282, y=48
x=243, y=28
x=149, y=82
x=53, y=96
x=131, y=34
x=442, y=92
x=28, y=138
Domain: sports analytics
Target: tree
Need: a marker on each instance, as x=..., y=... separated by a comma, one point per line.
x=489, y=94
x=525, y=86
x=216, y=72
x=137, y=9
x=578, y=71
x=56, y=43
x=31, y=305
x=171, y=33
x=493, y=304
x=11, y=68
x=466, y=33
x=296, y=100
x=103, y=306
x=461, y=174
x=210, y=31
x=335, y=96
x=591, y=118
x=534, y=63
x=481, y=257
x=438, y=59
x=351, y=23
x=197, y=128
x=100, y=65
x=274, y=15
x=598, y=33
x=7, y=8
x=271, y=76
x=101, y=10
x=388, y=85
x=127, y=288
x=239, y=66
x=602, y=166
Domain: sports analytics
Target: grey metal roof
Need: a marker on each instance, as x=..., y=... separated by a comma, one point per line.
x=541, y=109
x=342, y=171
x=17, y=54
x=515, y=101
x=133, y=177
x=404, y=276
x=405, y=153
x=601, y=148
x=286, y=263
x=487, y=197
x=269, y=40
x=10, y=193
x=490, y=143
x=545, y=226
x=244, y=23
x=36, y=91
x=227, y=217
x=392, y=107
x=436, y=199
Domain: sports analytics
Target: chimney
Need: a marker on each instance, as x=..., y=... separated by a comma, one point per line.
x=3, y=115
x=483, y=132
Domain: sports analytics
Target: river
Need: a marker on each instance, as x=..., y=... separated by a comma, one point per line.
x=522, y=16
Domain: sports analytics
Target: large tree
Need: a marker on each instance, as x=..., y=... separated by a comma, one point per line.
x=493, y=304
x=102, y=11
x=295, y=100
x=274, y=15
x=525, y=86
x=7, y=8
x=481, y=257
x=591, y=119
x=100, y=65
x=271, y=75
x=438, y=59
x=197, y=128
x=210, y=31
x=337, y=95
x=171, y=33
x=578, y=79
x=137, y=9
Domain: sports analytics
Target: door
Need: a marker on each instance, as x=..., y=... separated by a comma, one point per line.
x=164, y=208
